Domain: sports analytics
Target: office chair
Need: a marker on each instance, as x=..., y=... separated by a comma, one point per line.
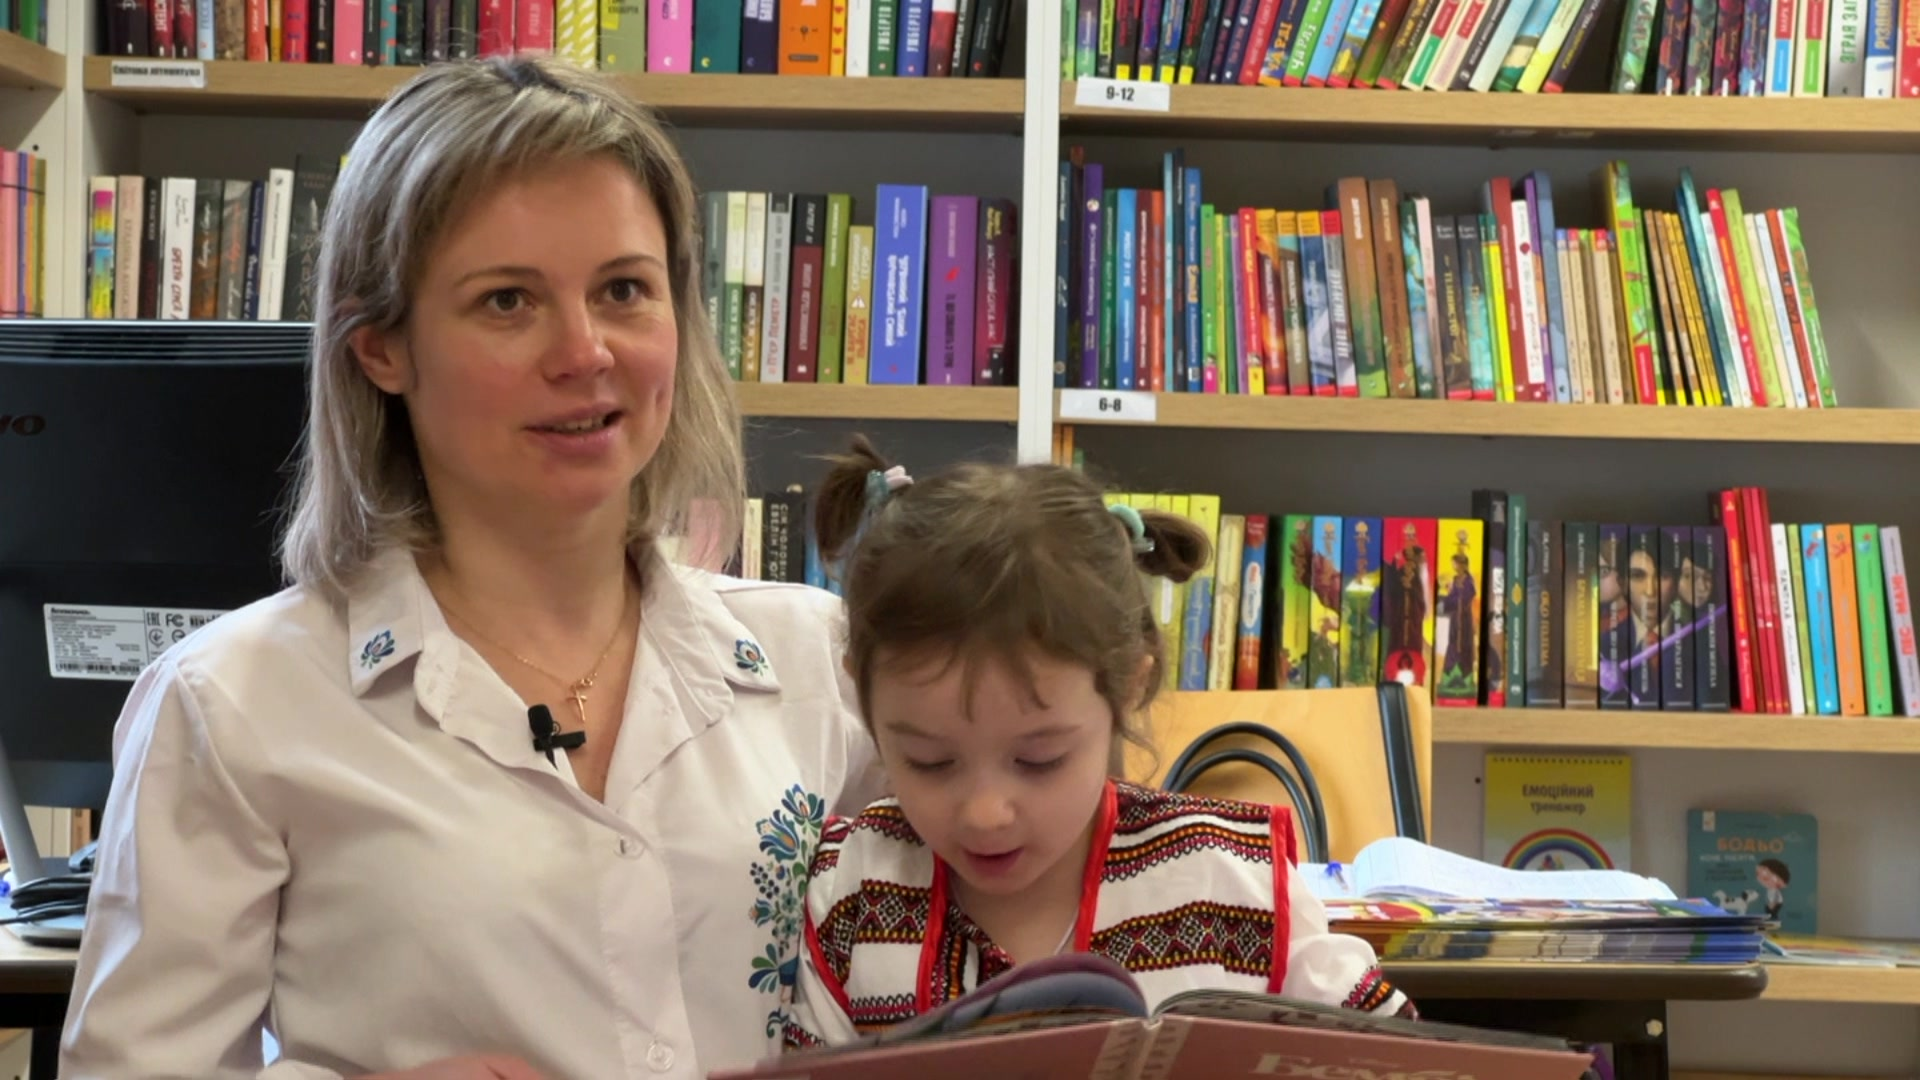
x=1354, y=764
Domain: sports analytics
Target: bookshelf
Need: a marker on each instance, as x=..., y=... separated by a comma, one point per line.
x=1845, y=985
x=29, y=65
x=1798, y=125
x=235, y=87
x=1487, y=419
x=921, y=404
x=1613, y=730
x=1847, y=163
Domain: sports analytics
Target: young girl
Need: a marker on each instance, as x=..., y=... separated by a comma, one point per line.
x=1000, y=641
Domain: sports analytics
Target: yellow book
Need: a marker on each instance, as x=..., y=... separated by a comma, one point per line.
x=859, y=340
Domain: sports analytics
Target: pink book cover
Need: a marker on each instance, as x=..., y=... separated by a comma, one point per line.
x=11, y=254
x=993, y=294
x=349, y=32
x=669, y=35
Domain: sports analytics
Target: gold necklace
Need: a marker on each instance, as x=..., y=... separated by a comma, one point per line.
x=576, y=690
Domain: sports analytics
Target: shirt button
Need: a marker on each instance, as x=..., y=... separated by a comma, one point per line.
x=630, y=848
x=659, y=1056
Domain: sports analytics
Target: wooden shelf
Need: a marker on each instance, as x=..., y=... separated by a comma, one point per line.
x=29, y=65
x=1848, y=985
x=1691, y=123
x=839, y=401
x=234, y=86
x=1676, y=730
x=1401, y=416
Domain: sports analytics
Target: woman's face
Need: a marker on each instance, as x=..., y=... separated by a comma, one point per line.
x=537, y=363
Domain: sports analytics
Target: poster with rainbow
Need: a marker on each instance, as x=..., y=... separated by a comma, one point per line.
x=1558, y=811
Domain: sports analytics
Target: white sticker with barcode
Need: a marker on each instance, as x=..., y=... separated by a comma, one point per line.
x=91, y=641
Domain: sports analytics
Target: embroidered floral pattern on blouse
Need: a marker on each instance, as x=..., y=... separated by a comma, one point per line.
x=748, y=657
x=788, y=837
x=377, y=648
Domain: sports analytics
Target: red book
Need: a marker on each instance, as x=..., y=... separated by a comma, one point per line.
x=1739, y=591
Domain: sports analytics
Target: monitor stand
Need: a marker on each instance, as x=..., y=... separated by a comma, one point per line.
x=25, y=863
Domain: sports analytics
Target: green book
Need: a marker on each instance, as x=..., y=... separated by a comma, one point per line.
x=1809, y=315
x=716, y=36
x=1210, y=298
x=880, y=52
x=1870, y=583
x=833, y=290
x=732, y=336
x=1803, y=622
x=1294, y=556
x=713, y=262
x=1109, y=225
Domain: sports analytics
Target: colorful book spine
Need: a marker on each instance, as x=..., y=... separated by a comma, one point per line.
x=1360, y=603
x=1519, y=573
x=1491, y=508
x=1196, y=630
x=859, y=304
x=1846, y=620
x=1820, y=638
x=1294, y=563
x=1580, y=584
x=1712, y=655
x=1678, y=617
x=1874, y=659
x=1255, y=587
x=1893, y=565
x=1228, y=564
x=900, y=259
x=1643, y=592
x=1323, y=605
x=833, y=290
x=1458, y=601
x=1614, y=603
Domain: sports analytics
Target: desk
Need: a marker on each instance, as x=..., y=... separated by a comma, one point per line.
x=1624, y=1005
x=35, y=981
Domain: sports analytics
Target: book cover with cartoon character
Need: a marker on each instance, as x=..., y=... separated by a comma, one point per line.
x=1756, y=862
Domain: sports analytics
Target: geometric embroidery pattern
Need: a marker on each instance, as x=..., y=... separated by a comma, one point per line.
x=1239, y=940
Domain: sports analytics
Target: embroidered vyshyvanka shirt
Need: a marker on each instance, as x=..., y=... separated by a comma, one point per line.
x=1185, y=892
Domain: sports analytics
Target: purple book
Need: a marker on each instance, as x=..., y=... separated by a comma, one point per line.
x=899, y=264
x=952, y=249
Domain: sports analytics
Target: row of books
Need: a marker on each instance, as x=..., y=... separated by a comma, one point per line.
x=27, y=18
x=23, y=234
x=174, y=247
x=930, y=38
x=1381, y=294
x=1798, y=48
x=797, y=292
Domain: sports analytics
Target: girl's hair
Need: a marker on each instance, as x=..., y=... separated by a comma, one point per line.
x=990, y=561
x=447, y=137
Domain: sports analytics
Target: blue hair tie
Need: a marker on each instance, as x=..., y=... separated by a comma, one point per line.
x=1136, y=529
x=882, y=485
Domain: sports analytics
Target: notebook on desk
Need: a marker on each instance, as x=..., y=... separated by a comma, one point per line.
x=1397, y=866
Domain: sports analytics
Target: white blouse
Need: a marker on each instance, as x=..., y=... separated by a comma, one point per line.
x=331, y=822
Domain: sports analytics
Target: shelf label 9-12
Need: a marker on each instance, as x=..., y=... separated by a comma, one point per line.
x=1123, y=406
x=1115, y=94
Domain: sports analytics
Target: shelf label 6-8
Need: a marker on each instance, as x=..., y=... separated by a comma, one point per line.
x=1128, y=406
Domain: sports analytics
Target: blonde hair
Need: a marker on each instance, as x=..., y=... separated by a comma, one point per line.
x=984, y=561
x=451, y=133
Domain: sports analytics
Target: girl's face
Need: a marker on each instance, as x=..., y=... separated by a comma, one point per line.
x=537, y=360
x=1004, y=792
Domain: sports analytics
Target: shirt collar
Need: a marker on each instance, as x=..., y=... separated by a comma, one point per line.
x=391, y=616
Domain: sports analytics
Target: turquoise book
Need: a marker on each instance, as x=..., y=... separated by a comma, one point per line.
x=1757, y=863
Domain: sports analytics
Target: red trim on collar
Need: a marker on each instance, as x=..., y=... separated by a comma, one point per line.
x=1280, y=834
x=936, y=932
x=1096, y=869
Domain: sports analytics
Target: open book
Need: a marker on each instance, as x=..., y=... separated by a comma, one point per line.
x=1082, y=1015
x=1397, y=866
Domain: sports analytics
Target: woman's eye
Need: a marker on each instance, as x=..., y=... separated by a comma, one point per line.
x=504, y=301
x=625, y=290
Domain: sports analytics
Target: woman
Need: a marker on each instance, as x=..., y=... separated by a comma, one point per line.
x=330, y=819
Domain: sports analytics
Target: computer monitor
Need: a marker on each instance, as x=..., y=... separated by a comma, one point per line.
x=144, y=469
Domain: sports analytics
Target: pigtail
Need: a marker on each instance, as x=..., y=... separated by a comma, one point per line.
x=1179, y=547
x=842, y=502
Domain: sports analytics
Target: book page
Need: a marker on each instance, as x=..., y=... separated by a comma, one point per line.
x=1400, y=866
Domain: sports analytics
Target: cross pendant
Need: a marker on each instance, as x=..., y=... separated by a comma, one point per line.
x=577, y=693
